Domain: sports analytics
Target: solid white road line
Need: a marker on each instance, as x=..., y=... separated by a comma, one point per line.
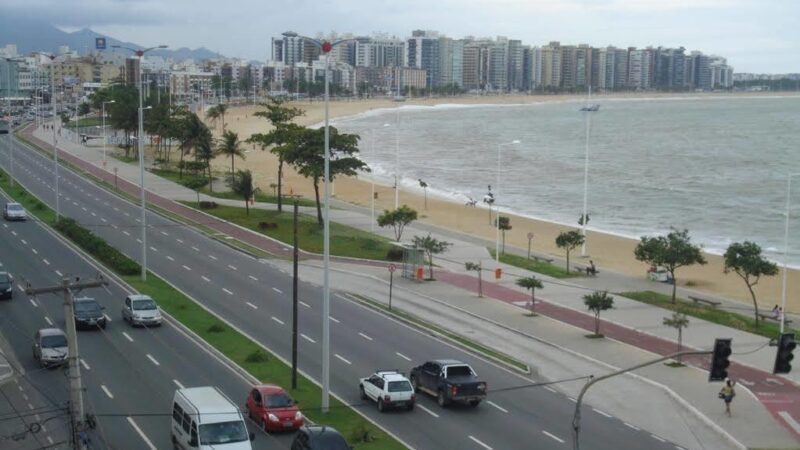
x=127, y=336
x=364, y=336
x=402, y=356
x=251, y=305
x=277, y=290
x=343, y=359
x=632, y=427
x=657, y=438
x=553, y=436
x=427, y=410
x=601, y=413
x=227, y=291
x=108, y=393
x=497, y=406
x=141, y=434
x=475, y=440
x=153, y=360
x=85, y=365
x=277, y=320
x=178, y=383
x=47, y=319
x=307, y=338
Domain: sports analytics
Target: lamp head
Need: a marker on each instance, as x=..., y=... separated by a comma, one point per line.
x=327, y=47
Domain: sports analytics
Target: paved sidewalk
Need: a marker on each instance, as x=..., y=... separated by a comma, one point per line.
x=631, y=322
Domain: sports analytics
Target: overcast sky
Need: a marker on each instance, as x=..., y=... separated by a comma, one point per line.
x=755, y=35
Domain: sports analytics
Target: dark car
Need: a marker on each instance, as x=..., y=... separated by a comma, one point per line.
x=449, y=381
x=319, y=438
x=89, y=313
x=6, y=285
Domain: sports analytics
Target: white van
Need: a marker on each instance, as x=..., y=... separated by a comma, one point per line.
x=204, y=418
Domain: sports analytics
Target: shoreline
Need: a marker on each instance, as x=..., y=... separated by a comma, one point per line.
x=609, y=250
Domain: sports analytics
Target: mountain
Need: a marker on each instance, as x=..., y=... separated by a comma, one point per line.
x=30, y=34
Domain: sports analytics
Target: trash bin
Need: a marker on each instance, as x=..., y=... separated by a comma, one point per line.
x=498, y=273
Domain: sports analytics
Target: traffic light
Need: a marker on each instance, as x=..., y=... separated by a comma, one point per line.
x=784, y=357
x=719, y=360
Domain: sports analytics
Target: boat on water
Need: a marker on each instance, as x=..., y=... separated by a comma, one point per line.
x=594, y=107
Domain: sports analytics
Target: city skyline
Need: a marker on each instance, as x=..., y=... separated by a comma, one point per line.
x=752, y=36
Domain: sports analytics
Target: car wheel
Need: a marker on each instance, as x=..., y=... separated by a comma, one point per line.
x=363, y=394
x=410, y=406
x=414, y=384
x=103, y=325
x=264, y=425
x=474, y=403
x=441, y=399
x=381, y=406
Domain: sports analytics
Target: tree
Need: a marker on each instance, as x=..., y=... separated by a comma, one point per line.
x=746, y=260
x=84, y=109
x=504, y=225
x=306, y=152
x=242, y=185
x=431, y=246
x=679, y=322
x=568, y=240
x=279, y=116
x=531, y=283
x=672, y=251
x=217, y=112
x=397, y=219
x=205, y=152
x=190, y=132
x=230, y=145
x=598, y=302
x=473, y=267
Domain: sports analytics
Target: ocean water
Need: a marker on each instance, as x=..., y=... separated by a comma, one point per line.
x=714, y=165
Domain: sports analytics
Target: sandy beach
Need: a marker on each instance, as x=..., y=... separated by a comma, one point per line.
x=609, y=252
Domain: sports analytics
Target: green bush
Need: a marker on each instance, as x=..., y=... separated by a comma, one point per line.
x=194, y=183
x=258, y=356
x=395, y=254
x=97, y=247
x=216, y=328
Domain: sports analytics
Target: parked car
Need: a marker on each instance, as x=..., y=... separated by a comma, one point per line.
x=389, y=389
x=449, y=381
x=6, y=285
x=88, y=313
x=319, y=437
x=141, y=310
x=50, y=347
x=14, y=211
x=204, y=418
x=273, y=408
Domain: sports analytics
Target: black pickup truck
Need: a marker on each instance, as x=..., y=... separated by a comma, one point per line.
x=449, y=381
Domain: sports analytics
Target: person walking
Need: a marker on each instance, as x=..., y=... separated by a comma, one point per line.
x=726, y=394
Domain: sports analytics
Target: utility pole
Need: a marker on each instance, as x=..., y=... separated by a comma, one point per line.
x=66, y=288
x=294, y=301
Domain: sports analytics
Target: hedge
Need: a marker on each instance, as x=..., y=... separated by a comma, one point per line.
x=97, y=247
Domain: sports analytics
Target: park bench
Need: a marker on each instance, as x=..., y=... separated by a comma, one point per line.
x=786, y=320
x=542, y=258
x=709, y=302
x=585, y=269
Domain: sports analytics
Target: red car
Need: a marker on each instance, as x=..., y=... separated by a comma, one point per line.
x=273, y=408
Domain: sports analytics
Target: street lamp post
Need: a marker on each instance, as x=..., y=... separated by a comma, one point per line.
x=497, y=213
x=372, y=177
x=397, y=160
x=10, y=117
x=55, y=146
x=585, y=217
x=140, y=144
x=786, y=246
x=105, y=137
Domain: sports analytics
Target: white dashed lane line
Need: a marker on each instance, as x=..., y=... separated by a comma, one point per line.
x=187, y=267
x=277, y=290
x=127, y=336
x=141, y=434
x=59, y=273
x=497, y=406
x=475, y=440
x=553, y=436
x=427, y=410
x=365, y=336
x=170, y=258
x=205, y=278
x=341, y=358
x=178, y=383
x=335, y=320
x=33, y=302
x=253, y=278
x=153, y=360
x=277, y=320
x=251, y=305
x=212, y=257
x=232, y=267
x=49, y=322
x=307, y=338
x=227, y=291
x=602, y=413
x=304, y=304
x=85, y=365
x=46, y=261
x=108, y=393
x=402, y=356
x=657, y=438
x=632, y=427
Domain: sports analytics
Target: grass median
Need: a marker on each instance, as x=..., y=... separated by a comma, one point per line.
x=263, y=365
x=542, y=267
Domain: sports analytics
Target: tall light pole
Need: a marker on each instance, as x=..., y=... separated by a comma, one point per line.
x=397, y=160
x=55, y=120
x=497, y=214
x=10, y=116
x=326, y=48
x=786, y=246
x=105, y=137
x=140, y=144
x=585, y=218
x=372, y=177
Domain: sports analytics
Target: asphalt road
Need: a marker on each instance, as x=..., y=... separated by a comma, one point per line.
x=255, y=297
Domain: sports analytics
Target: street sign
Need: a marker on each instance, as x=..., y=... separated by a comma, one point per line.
x=530, y=236
x=392, y=268
x=100, y=43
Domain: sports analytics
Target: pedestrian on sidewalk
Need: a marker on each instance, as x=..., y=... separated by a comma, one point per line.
x=726, y=394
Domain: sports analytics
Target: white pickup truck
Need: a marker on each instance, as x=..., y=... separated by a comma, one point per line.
x=389, y=389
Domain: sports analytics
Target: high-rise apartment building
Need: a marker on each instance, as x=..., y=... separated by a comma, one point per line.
x=422, y=52
x=516, y=64
x=498, y=65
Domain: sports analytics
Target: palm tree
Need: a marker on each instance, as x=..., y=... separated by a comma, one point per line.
x=205, y=151
x=531, y=283
x=217, y=112
x=191, y=131
x=230, y=145
x=242, y=185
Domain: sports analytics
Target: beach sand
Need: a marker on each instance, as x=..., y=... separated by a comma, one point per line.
x=609, y=252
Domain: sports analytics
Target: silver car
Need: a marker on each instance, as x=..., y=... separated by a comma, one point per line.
x=14, y=211
x=141, y=310
x=50, y=347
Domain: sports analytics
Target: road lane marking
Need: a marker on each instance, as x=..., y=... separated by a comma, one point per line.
x=47, y=319
x=251, y=305
x=333, y=319
x=212, y=257
x=602, y=413
x=164, y=233
x=342, y=358
x=24, y=242
x=427, y=410
x=551, y=389
x=553, y=436
x=307, y=338
x=277, y=290
x=232, y=267
x=657, y=438
x=253, y=278
x=179, y=241
x=141, y=434
x=402, y=356
x=13, y=232
x=170, y=258
x=107, y=318
x=85, y=365
x=150, y=357
x=103, y=220
x=138, y=240
x=108, y=393
x=497, y=406
x=206, y=279
x=33, y=302
x=153, y=248
x=277, y=320
x=572, y=400
x=59, y=273
x=364, y=336
x=475, y=440
x=34, y=251
x=790, y=420
x=46, y=261
x=187, y=267
x=304, y=304
x=195, y=249
x=227, y=291
x=178, y=383
x=94, y=215
x=127, y=336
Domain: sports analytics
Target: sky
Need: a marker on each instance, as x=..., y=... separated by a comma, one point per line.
x=755, y=35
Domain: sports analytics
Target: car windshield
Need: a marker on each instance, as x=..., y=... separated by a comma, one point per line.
x=330, y=441
x=223, y=433
x=399, y=386
x=54, y=341
x=4, y=278
x=14, y=207
x=459, y=371
x=281, y=400
x=89, y=307
x=144, y=305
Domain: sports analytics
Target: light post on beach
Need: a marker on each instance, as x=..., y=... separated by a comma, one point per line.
x=140, y=144
x=325, y=47
x=372, y=176
x=105, y=138
x=786, y=246
x=497, y=213
x=10, y=117
x=585, y=216
x=55, y=120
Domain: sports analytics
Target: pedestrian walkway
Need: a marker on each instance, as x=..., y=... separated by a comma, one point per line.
x=633, y=323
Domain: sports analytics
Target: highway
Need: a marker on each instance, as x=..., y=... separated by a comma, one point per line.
x=255, y=297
